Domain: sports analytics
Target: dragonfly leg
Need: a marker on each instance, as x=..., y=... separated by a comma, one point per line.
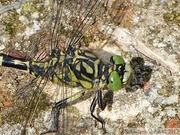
x=55, y=113
x=62, y=104
x=102, y=105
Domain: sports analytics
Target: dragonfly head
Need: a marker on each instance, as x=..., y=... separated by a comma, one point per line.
x=120, y=75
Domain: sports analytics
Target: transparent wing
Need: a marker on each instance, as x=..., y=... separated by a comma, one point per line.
x=64, y=23
x=71, y=20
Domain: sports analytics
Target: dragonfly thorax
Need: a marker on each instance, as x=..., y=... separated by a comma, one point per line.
x=82, y=68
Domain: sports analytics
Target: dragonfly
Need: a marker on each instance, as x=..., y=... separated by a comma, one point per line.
x=69, y=65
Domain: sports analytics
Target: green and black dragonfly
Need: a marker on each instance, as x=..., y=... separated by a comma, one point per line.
x=75, y=67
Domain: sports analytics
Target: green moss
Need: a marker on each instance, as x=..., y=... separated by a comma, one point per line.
x=147, y=3
x=19, y=111
x=28, y=7
x=11, y=23
x=167, y=89
x=5, y=2
x=43, y=103
x=87, y=40
x=177, y=18
x=167, y=17
x=172, y=17
x=10, y=28
x=65, y=32
x=175, y=4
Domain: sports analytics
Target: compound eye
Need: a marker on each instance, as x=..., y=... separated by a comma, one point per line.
x=116, y=59
x=114, y=83
x=127, y=74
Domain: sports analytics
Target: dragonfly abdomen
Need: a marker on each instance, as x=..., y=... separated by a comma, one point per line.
x=26, y=66
x=8, y=61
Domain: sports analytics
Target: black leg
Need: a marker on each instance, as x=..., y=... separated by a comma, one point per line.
x=55, y=116
x=100, y=104
x=62, y=104
x=106, y=100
